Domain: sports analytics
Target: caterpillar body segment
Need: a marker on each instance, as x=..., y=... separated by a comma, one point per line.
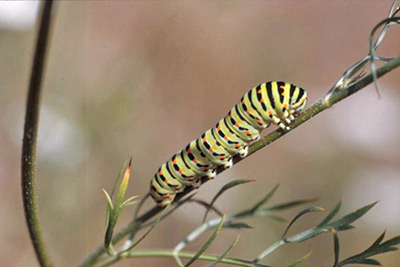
x=269, y=103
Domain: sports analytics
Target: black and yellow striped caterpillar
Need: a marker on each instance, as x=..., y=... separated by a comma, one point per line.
x=271, y=102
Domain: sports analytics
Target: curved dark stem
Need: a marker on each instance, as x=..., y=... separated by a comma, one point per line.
x=318, y=107
x=28, y=160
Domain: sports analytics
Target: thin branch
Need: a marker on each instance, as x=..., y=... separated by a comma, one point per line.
x=170, y=253
x=28, y=160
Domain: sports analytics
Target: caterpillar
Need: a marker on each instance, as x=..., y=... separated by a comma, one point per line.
x=273, y=102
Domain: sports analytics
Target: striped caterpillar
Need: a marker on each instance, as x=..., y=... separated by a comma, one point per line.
x=271, y=102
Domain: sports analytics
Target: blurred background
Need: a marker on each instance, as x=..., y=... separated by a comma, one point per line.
x=143, y=78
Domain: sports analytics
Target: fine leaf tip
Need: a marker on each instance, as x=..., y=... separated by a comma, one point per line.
x=130, y=162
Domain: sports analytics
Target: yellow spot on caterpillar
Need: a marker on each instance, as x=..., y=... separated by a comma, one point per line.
x=230, y=116
x=247, y=132
x=283, y=93
x=248, y=111
x=189, y=150
x=222, y=157
x=180, y=171
x=259, y=121
x=166, y=196
x=219, y=128
x=285, y=105
x=282, y=87
x=211, y=149
x=226, y=137
x=237, y=124
x=204, y=139
x=262, y=100
x=270, y=112
x=237, y=146
x=195, y=160
x=259, y=91
x=175, y=161
x=160, y=172
x=243, y=102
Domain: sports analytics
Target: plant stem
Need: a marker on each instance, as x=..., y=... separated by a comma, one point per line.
x=170, y=254
x=28, y=160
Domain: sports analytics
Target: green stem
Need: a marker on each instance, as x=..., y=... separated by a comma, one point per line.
x=170, y=254
x=318, y=107
x=28, y=160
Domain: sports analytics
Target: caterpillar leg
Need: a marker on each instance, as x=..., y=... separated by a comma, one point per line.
x=228, y=164
x=244, y=151
x=283, y=126
x=196, y=184
x=277, y=121
x=210, y=174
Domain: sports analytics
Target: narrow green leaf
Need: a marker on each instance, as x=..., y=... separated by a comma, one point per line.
x=270, y=215
x=239, y=225
x=374, y=249
x=371, y=262
x=331, y=214
x=360, y=261
x=220, y=258
x=335, y=247
x=129, y=201
x=208, y=243
x=377, y=241
x=342, y=223
x=120, y=175
x=351, y=217
x=301, y=213
x=222, y=190
x=265, y=199
x=290, y=204
x=114, y=213
x=109, y=208
x=123, y=185
x=300, y=261
x=392, y=242
x=344, y=227
x=108, y=198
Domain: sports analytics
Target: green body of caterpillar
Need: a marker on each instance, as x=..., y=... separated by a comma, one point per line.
x=271, y=102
